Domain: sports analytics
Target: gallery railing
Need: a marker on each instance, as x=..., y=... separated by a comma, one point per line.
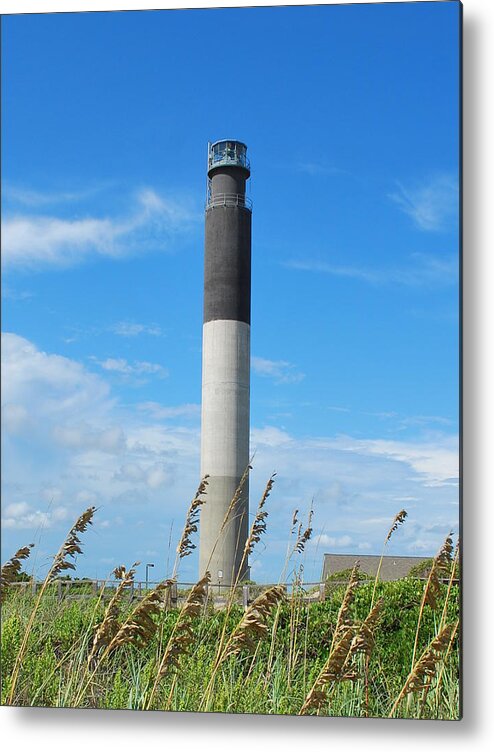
x=229, y=199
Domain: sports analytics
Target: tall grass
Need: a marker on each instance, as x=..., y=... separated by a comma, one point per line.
x=371, y=648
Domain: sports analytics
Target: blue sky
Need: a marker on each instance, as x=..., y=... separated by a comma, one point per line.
x=350, y=114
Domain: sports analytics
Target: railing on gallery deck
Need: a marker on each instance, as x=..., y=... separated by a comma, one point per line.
x=229, y=199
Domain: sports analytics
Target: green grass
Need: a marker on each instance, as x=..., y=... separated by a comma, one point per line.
x=369, y=649
x=273, y=678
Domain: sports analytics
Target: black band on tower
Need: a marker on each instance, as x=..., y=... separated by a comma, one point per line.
x=227, y=264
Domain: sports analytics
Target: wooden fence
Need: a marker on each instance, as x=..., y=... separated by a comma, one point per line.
x=308, y=592
x=217, y=594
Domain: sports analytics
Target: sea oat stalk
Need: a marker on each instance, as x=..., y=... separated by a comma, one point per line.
x=139, y=625
x=185, y=546
x=182, y=634
x=11, y=569
x=251, y=628
x=69, y=548
x=432, y=590
x=344, y=620
x=332, y=671
x=398, y=520
x=425, y=668
x=108, y=628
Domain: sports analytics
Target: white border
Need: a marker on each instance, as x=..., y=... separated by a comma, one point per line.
x=124, y=730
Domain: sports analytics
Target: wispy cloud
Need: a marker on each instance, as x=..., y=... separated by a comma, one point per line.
x=8, y=293
x=432, y=204
x=36, y=384
x=32, y=240
x=316, y=168
x=436, y=461
x=425, y=420
x=137, y=368
x=281, y=371
x=86, y=438
x=269, y=436
x=153, y=476
x=29, y=197
x=83, y=446
x=164, y=412
x=132, y=329
x=20, y=516
x=330, y=541
x=424, y=270
x=407, y=421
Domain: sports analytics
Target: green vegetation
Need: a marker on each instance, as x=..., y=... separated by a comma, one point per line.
x=275, y=678
x=371, y=648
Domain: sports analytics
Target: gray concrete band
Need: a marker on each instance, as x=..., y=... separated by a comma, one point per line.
x=221, y=554
x=224, y=445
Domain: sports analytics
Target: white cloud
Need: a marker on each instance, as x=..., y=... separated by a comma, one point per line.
x=423, y=270
x=15, y=418
x=425, y=420
x=36, y=240
x=153, y=475
x=21, y=516
x=36, y=384
x=132, y=329
x=281, y=371
x=330, y=541
x=86, y=498
x=268, y=436
x=137, y=368
x=33, y=198
x=81, y=447
x=8, y=293
x=157, y=475
x=162, y=412
x=333, y=493
x=433, y=204
x=435, y=461
x=16, y=510
x=52, y=494
x=49, y=240
x=79, y=444
x=82, y=436
x=358, y=486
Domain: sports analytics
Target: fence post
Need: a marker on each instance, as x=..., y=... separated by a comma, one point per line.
x=59, y=590
x=33, y=587
x=95, y=587
x=322, y=591
x=245, y=596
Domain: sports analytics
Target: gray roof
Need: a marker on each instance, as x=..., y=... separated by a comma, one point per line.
x=393, y=567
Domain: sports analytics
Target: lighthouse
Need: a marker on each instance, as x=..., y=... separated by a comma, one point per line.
x=225, y=415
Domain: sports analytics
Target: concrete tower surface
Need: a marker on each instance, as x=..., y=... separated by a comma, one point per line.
x=226, y=361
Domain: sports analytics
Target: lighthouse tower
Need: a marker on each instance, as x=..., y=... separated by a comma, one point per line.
x=226, y=361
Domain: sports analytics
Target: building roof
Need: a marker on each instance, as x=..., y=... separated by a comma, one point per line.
x=392, y=568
